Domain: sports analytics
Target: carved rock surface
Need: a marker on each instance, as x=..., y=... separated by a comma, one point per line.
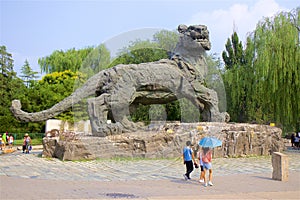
x=71, y=150
x=168, y=141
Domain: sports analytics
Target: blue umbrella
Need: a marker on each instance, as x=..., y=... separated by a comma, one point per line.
x=210, y=142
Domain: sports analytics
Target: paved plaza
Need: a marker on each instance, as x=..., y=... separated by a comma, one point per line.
x=30, y=168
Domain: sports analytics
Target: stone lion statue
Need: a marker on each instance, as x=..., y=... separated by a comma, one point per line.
x=113, y=92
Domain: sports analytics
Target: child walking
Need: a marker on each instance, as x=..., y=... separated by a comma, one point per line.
x=199, y=156
x=188, y=158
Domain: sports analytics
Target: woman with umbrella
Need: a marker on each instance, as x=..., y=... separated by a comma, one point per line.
x=208, y=143
x=206, y=159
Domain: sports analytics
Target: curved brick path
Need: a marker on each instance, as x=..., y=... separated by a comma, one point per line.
x=32, y=177
x=33, y=166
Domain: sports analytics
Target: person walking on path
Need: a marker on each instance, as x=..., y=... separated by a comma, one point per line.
x=207, y=165
x=1, y=142
x=199, y=156
x=24, y=144
x=4, y=140
x=296, y=141
x=27, y=142
x=188, y=158
x=10, y=141
x=293, y=140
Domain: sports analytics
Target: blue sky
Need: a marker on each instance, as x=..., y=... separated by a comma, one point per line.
x=34, y=29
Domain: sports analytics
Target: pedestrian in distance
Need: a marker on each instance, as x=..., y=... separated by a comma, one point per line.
x=1, y=142
x=4, y=140
x=27, y=143
x=207, y=165
x=24, y=144
x=297, y=141
x=7, y=138
x=188, y=160
x=10, y=141
x=293, y=140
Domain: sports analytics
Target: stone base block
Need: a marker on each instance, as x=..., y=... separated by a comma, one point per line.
x=280, y=165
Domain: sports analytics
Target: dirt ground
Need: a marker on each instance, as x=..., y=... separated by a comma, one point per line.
x=254, y=186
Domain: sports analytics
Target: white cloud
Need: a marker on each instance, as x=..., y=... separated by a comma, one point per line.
x=239, y=17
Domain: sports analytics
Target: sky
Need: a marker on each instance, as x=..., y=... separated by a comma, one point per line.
x=34, y=29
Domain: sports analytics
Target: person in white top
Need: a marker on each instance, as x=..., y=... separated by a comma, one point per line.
x=199, y=156
x=10, y=141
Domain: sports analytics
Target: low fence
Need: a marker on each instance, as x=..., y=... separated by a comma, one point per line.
x=20, y=136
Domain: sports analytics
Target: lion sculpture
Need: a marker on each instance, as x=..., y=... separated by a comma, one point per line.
x=115, y=91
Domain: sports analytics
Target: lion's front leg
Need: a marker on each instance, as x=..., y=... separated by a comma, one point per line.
x=98, y=110
x=209, y=100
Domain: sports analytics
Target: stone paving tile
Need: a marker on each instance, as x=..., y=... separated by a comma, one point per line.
x=34, y=167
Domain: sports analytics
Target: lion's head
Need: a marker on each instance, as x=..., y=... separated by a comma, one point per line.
x=195, y=36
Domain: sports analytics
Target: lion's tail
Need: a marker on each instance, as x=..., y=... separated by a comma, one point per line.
x=86, y=90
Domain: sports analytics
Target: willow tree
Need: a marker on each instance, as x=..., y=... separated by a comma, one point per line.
x=60, y=60
x=277, y=69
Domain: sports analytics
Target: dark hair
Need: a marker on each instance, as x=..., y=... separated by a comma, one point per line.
x=205, y=150
x=188, y=143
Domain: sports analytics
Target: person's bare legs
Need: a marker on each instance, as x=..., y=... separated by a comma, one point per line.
x=202, y=175
x=210, y=177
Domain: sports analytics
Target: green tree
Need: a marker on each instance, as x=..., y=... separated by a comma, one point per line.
x=214, y=80
x=140, y=52
x=11, y=87
x=52, y=89
x=166, y=40
x=234, y=55
x=277, y=69
x=60, y=61
x=6, y=63
x=262, y=81
x=236, y=85
x=97, y=60
x=27, y=73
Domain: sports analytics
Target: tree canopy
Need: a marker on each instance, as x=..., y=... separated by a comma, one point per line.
x=60, y=60
x=277, y=68
x=262, y=81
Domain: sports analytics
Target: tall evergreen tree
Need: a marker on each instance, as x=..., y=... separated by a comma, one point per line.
x=27, y=73
x=236, y=75
x=234, y=55
x=11, y=87
x=6, y=63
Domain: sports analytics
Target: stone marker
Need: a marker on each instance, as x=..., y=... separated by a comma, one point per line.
x=280, y=165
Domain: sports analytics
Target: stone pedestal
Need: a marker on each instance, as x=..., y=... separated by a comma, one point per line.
x=280, y=165
x=168, y=140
